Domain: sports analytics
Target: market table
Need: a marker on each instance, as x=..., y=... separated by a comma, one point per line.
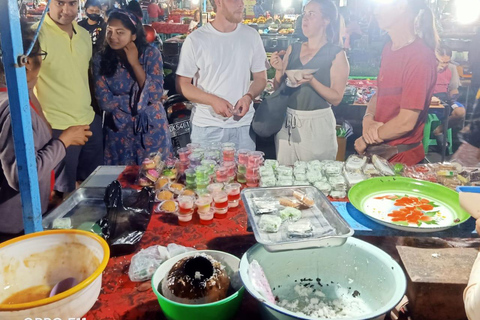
x=122, y=299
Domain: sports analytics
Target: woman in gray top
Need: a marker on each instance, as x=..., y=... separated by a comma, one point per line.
x=49, y=152
x=309, y=132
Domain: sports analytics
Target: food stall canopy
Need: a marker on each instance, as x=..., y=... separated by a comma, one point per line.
x=14, y=61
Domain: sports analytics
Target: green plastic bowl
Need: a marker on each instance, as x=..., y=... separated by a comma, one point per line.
x=221, y=310
x=356, y=264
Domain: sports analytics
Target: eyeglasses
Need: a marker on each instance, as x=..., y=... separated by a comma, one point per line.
x=42, y=54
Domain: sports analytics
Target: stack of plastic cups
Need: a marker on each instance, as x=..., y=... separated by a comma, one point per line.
x=195, y=160
x=212, y=154
x=231, y=170
x=181, y=168
x=202, y=179
x=242, y=156
x=210, y=164
x=233, y=193
x=221, y=174
x=190, y=182
x=186, y=208
x=204, y=209
x=255, y=160
x=220, y=203
x=192, y=146
x=228, y=154
x=199, y=152
x=183, y=154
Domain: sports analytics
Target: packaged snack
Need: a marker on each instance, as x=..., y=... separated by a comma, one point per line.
x=301, y=177
x=288, y=203
x=354, y=177
x=338, y=182
x=266, y=172
x=303, y=198
x=382, y=165
x=324, y=187
x=284, y=181
x=300, y=165
x=315, y=165
x=291, y=214
x=268, y=182
x=271, y=163
x=300, y=229
x=332, y=170
x=284, y=171
x=336, y=194
x=151, y=175
x=269, y=223
x=168, y=206
x=315, y=176
x=355, y=163
x=265, y=206
x=371, y=171
x=162, y=195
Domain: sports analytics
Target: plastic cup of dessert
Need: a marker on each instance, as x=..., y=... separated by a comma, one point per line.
x=185, y=204
x=203, y=203
x=206, y=217
x=202, y=183
x=252, y=181
x=242, y=156
x=215, y=187
x=255, y=158
x=221, y=174
x=185, y=219
x=228, y=154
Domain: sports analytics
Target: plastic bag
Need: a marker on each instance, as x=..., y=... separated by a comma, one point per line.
x=145, y=262
x=124, y=226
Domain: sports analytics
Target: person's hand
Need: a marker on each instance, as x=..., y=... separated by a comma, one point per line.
x=370, y=131
x=306, y=79
x=222, y=107
x=242, y=106
x=360, y=146
x=477, y=226
x=75, y=136
x=276, y=60
x=131, y=52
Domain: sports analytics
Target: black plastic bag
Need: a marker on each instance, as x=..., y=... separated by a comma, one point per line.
x=270, y=114
x=124, y=226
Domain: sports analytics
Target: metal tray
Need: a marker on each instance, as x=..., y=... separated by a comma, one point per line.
x=84, y=205
x=322, y=215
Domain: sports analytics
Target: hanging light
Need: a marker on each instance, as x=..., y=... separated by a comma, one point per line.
x=467, y=11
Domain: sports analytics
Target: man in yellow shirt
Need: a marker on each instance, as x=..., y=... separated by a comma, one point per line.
x=63, y=90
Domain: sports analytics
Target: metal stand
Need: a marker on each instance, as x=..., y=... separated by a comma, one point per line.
x=12, y=53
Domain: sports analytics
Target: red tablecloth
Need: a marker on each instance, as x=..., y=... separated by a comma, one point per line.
x=122, y=299
x=170, y=28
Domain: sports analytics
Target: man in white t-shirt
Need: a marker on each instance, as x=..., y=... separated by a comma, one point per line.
x=220, y=57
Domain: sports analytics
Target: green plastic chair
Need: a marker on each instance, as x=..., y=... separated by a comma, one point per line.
x=430, y=125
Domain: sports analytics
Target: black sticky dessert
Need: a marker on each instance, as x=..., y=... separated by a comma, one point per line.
x=196, y=280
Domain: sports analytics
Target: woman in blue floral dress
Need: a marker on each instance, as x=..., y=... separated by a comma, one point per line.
x=128, y=87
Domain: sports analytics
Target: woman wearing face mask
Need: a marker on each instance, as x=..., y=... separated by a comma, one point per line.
x=395, y=117
x=94, y=24
x=309, y=133
x=128, y=86
x=49, y=152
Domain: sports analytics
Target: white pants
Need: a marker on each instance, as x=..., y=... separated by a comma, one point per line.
x=306, y=136
x=243, y=137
